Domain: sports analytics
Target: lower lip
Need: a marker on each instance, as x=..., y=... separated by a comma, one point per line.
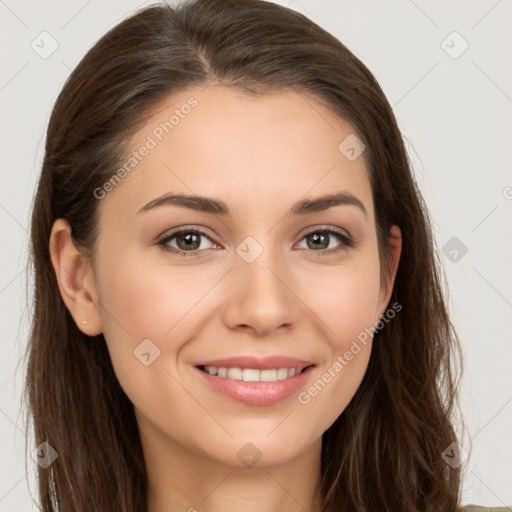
x=257, y=393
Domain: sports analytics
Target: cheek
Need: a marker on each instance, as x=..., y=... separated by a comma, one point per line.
x=163, y=304
x=346, y=302
x=151, y=301
x=345, y=298
x=159, y=304
x=325, y=399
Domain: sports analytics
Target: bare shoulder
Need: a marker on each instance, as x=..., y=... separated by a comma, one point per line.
x=476, y=508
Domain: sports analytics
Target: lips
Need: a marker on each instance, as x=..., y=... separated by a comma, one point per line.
x=249, y=379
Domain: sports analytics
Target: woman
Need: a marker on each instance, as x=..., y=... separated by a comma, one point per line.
x=237, y=297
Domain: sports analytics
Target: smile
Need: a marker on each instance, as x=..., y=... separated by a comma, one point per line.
x=255, y=381
x=252, y=374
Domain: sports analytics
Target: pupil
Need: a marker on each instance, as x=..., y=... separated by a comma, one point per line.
x=316, y=238
x=190, y=238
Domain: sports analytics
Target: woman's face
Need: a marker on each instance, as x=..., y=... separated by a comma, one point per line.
x=263, y=276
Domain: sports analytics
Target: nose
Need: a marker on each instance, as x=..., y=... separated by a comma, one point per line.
x=260, y=297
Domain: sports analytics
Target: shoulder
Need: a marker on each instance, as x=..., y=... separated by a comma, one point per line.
x=476, y=508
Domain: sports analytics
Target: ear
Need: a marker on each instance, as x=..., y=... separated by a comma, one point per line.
x=75, y=279
x=395, y=248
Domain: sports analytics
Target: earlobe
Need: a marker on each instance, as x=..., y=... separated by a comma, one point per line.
x=75, y=279
x=395, y=248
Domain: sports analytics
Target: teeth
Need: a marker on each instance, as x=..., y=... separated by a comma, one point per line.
x=251, y=374
x=282, y=373
x=268, y=375
x=234, y=373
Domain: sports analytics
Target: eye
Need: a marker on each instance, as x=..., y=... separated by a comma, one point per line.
x=321, y=240
x=186, y=242
x=189, y=242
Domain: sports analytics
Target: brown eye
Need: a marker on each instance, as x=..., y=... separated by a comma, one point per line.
x=186, y=242
x=318, y=240
x=324, y=240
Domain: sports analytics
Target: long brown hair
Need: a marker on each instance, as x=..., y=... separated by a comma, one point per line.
x=384, y=452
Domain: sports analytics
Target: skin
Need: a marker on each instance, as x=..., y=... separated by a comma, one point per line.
x=259, y=155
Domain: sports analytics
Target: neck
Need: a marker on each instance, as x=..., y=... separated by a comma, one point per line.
x=180, y=479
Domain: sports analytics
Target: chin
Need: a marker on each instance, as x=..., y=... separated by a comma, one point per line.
x=260, y=451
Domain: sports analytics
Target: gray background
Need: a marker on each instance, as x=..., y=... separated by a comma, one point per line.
x=455, y=111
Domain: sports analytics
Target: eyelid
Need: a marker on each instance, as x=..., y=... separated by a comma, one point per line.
x=346, y=240
x=186, y=227
x=163, y=239
x=327, y=228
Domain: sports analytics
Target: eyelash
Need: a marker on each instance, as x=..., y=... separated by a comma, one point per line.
x=346, y=241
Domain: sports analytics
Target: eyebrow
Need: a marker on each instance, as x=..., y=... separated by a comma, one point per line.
x=215, y=206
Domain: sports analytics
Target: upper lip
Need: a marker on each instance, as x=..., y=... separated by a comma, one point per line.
x=258, y=363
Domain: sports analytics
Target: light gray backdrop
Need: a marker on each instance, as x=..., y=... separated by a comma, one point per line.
x=446, y=69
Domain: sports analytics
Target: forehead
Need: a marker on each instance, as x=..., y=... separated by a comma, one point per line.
x=221, y=142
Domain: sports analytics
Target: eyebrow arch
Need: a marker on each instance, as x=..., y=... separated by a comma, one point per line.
x=215, y=206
